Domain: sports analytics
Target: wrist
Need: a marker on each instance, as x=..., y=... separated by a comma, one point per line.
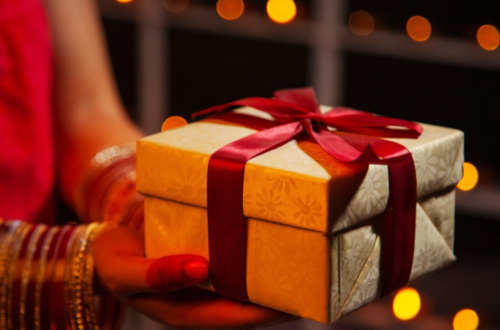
x=107, y=189
x=47, y=278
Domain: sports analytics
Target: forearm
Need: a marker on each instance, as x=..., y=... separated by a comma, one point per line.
x=88, y=112
x=77, y=147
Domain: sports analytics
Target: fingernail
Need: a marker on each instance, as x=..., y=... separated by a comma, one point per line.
x=196, y=270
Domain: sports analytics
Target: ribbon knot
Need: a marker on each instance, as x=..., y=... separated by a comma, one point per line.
x=346, y=134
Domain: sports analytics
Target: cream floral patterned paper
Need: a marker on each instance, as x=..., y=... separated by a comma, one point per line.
x=296, y=184
x=433, y=251
x=441, y=210
x=303, y=272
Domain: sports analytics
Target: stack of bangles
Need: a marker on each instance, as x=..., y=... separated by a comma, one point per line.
x=46, y=277
x=107, y=191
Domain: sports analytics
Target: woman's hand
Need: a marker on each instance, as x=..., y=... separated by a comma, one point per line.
x=163, y=288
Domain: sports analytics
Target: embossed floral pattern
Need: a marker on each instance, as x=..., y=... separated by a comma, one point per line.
x=276, y=285
x=446, y=165
x=431, y=250
x=270, y=205
x=365, y=289
x=279, y=183
x=426, y=167
x=368, y=194
x=302, y=269
x=187, y=185
x=265, y=237
x=306, y=304
x=308, y=210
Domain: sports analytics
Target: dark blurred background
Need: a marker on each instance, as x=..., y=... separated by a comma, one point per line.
x=176, y=57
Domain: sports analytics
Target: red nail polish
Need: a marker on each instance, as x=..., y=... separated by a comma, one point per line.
x=196, y=270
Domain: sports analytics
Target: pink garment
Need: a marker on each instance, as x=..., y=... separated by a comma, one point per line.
x=27, y=165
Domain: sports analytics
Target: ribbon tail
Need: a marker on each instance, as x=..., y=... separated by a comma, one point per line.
x=398, y=228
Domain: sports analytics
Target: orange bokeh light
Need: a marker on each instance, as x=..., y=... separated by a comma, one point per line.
x=124, y=1
x=281, y=11
x=418, y=28
x=465, y=319
x=361, y=23
x=488, y=37
x=406, y=304
x=173, y=122
x=175, y=6
x=230, y=9
x=470, y=178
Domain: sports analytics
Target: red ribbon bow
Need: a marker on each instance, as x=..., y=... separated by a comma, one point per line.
x=296, y=111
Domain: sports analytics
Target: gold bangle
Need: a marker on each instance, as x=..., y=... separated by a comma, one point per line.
x=71, y=282
x=78, y=273
x=41, y=275
x=26, y=273
x=11, y=269
x=68, y=275
x=8, y=239
x=86, y=259
x=87, y=283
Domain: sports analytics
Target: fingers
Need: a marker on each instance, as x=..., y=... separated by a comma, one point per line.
x=123, y=270
x=176, y=272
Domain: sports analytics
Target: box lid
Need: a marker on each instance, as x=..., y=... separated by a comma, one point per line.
x=296, y=184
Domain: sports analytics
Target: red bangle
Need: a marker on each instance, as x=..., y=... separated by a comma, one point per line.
x=45, y=292
x=50, y=293
x=99, y=186
x=58, y=313
x=16, y=284
x=135, y=216
x=30, y=292
x=106, y=184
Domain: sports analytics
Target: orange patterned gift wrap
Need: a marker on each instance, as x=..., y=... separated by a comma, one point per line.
x=313, y=234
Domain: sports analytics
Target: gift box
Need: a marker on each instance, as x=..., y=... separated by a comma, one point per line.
x=314, y=222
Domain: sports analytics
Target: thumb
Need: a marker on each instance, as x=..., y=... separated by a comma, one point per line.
x=176, y=272
x=123, y=270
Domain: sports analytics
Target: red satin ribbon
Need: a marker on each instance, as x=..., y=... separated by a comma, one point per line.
x=354, y=140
